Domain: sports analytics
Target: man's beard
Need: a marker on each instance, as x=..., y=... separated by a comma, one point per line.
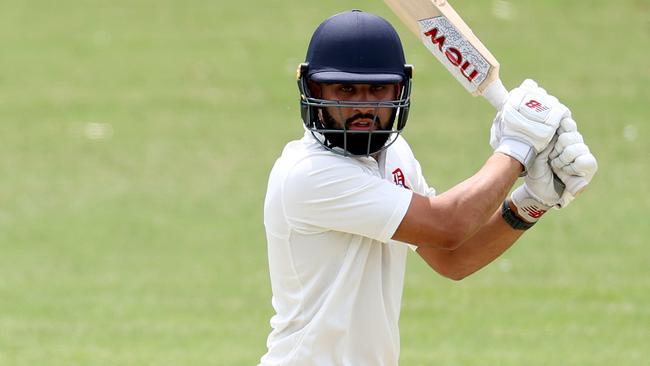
x=357, y=143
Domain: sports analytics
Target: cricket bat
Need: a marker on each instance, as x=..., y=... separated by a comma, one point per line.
x=444, y=33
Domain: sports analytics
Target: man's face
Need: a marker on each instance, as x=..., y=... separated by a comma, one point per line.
x=362, y=118
x=357, y=119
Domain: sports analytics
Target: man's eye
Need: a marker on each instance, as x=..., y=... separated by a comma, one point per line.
x=380, y=88
x=346, y=89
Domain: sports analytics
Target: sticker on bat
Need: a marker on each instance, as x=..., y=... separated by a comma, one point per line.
x=466, y=63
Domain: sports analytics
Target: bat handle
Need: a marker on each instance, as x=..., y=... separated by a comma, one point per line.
x=496, y=94
x=558, y=185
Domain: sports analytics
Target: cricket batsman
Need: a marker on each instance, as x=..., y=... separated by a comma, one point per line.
x=348, y=201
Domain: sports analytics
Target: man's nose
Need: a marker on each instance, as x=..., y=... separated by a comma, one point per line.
x=364, y=95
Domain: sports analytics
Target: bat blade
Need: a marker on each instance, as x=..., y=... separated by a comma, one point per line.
x=444, y=33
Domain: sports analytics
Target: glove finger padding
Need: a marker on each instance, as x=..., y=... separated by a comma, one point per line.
x=567, y=124
x=565, y=139
x=579, y=173
x=586, y=164
x=576, y=176
x=530, y=84
x=565, y=161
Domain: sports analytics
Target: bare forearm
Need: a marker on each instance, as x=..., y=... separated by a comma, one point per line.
x=489, y=242
x=476, y=198
x=448, y=220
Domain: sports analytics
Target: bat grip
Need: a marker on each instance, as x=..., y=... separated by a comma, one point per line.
x=496, y=94
x=558, y=185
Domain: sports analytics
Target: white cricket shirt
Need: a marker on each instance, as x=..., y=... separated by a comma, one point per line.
x=336, y=276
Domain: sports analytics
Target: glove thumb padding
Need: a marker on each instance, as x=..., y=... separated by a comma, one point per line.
x=540, y=176
x=541, y=168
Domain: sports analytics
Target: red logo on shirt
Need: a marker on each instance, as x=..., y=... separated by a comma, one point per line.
x=398, y=178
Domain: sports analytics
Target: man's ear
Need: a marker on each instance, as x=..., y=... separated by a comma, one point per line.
x=315, y=89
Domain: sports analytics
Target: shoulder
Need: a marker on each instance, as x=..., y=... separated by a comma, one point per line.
x=405, y=168
x=401, y=148
x=400, y=153
x=305, y=161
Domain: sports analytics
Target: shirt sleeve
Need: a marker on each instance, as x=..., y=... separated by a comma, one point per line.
x=320, y=195
x=421, y=186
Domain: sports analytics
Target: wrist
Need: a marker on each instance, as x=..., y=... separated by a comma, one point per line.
x=519, y=150
x=513, y=164
x=508, y=212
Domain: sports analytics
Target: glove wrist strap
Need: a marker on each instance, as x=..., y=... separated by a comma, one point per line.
x=528, y=207
x=519, y=150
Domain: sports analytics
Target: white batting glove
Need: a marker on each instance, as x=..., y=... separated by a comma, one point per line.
x=526, y=123
x=572, y=161
x=540, y=191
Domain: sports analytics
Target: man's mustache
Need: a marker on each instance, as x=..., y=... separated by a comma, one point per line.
x=358, y=116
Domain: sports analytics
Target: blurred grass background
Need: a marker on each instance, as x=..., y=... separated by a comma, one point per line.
x=135, y=142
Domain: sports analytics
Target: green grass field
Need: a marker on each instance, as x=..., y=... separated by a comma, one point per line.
x=135, y=142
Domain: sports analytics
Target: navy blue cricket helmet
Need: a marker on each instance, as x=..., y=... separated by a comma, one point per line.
x=354, y=47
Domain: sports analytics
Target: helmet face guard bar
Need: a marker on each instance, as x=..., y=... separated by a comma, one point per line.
x=354, y=142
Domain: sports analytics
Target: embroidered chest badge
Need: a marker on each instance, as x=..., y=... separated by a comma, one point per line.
x=398, y=178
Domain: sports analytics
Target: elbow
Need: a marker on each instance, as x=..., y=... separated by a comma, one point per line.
x=450, y=264
x=454, y=273
x=457, y=231
x=456, y=276
x=450, y=237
